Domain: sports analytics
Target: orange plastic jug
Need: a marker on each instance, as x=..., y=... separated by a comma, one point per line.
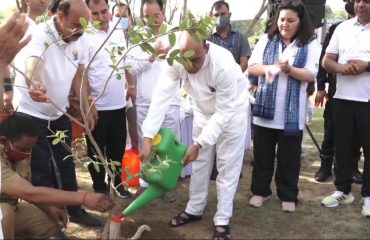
x=130, y=162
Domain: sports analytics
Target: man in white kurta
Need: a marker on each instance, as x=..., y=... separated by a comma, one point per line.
x=218, y=88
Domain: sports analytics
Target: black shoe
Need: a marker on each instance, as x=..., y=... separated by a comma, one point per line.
x=85, y=218
x=323, y=175
x=357, y=176
x=121, y=192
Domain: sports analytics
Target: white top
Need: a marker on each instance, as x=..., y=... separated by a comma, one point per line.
x=60, y=64
x=218, y=90
x=312, y=65
x=147, y=74
x=351, y=40
x=114, y=95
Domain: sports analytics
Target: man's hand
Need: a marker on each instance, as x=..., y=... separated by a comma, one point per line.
x=360, y=65
x=252, y=89
x=348, y=68
x=319, y=99
x=145, y=150
x=11, y=35
x=93, y=117
x=131, y=93
x=38, y=94
x=191, y=154
x=58, y=215
x=98, y=201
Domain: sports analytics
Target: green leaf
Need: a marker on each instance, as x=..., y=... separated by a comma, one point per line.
x=83, y=22
x=147, y=47
x=189, y=53
x=118, y=77
x=116, y=163
x=96, y=166
x=96, y=24
x=163, y=29
x=172, y=39
x=55, y=141
x=170, y=61
x=174, y=53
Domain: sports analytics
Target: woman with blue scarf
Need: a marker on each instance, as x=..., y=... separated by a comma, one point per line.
x=285, y=60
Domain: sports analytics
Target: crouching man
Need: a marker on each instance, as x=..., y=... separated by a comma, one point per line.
x=38, y=216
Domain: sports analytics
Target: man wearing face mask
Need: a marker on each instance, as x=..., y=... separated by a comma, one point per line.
x=109, y=95
x=227, y=37
x=38, y=216
x=122, y=13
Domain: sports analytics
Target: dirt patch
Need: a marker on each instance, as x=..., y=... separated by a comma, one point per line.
x=310, y=221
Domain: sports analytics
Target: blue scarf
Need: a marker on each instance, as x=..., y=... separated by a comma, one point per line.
x=266, y=93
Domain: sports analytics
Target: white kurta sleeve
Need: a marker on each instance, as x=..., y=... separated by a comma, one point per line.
x=166, y=87
x=225, y=108
x=137, y=60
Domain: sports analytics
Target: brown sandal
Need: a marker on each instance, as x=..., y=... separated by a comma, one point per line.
x=181, y=220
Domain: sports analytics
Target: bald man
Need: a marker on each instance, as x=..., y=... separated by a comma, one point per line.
x=219, y=90
x=54, y=61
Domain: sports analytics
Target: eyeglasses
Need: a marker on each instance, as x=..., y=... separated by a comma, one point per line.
x=26, y=151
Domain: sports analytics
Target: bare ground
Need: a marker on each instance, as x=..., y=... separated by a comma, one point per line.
x=310, y=221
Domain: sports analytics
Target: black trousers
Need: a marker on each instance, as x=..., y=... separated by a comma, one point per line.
x=110, y=135
x=327, y=146
x=42, y=169
x=268, y=143
x=351, y=129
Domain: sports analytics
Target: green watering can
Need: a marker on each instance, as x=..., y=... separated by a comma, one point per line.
x=162, y=169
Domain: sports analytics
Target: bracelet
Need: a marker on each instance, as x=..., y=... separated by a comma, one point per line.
x=133, y=86
x=84, y=198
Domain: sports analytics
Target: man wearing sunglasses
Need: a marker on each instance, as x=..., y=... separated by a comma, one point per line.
x=29, y=211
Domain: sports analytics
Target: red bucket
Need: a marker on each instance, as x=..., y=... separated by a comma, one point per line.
x=77, y=130
x=131, y=161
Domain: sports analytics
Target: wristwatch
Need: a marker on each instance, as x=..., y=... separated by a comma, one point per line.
x=368, y=67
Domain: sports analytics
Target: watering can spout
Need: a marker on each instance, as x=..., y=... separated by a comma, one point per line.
x=149, y=194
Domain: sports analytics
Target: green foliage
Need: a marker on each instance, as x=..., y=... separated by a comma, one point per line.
x=58, y=137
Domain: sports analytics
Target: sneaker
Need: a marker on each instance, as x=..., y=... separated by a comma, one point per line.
x=85, y=218
x=169, y=196
x=336, y=198
x=121, y=192
x=288, y=206
x=366, y=207
x=257, y=201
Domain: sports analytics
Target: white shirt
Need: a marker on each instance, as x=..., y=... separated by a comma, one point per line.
x=114, y=95
x=147, y=75
x=60, y=64
x=312, y=64
x=218, y=89
x=351, y=40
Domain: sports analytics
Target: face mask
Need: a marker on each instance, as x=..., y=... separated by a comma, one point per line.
x=221, y=21
x=123, y=22
x=15, y=154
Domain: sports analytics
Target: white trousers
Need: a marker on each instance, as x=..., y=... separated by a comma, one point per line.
x=171, y=121
x=230, y=148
